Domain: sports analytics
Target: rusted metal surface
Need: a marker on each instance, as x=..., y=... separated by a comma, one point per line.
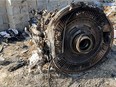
x=81, y=35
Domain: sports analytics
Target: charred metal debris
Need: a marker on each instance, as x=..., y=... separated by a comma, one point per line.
x=74, y=38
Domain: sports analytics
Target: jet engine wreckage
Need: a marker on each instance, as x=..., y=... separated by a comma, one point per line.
x=77, y=36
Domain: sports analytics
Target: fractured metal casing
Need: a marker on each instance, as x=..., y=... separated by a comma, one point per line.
x=72, y=24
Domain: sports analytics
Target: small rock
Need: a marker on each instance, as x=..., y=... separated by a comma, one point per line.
x=5, y=63
x=24, y=51
x=112, y=75
x=1, y=60
x=1, y=48
x=46, y=67
x=30, y=43
x=25, y=47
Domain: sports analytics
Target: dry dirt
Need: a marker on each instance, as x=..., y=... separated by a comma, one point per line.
x=102, y=75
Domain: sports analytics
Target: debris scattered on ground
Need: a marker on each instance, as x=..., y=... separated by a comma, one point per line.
x=36, y=60
x=100, y=76
x=17, y=65
x=20, y=77
x=10, y=35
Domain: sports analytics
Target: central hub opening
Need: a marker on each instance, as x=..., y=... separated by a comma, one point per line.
x=84, y=44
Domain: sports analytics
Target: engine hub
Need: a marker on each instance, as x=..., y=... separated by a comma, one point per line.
x=81, y=40
x=81, y=35
x=82, y=44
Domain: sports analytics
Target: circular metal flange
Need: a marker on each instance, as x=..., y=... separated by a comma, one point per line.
x=83, y=44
